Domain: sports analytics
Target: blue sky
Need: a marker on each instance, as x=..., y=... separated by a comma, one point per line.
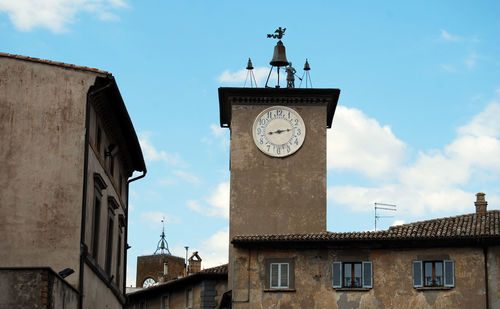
x=416, y=126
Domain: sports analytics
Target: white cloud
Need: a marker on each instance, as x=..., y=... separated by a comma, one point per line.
x=260, y=73
x=470, y=60
x=214, y=250
x=217, y=131
x=217, y=204
x=398, y=222
x=485, y=123
x=449, y=37
x=55, y=15
x=433, y=182
x=448, y=68
x=187, y=177
x=360, y=143
x=151, y=154
x=154, y=219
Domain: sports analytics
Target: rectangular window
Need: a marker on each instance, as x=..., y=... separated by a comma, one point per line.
x=164, y=302
x=98, y=139
x=109, y=242
x=119, y=259
x=111, y=165
x=433, y=274
x=189, y=298
x=352, y=275
x=96, y=221
x=120, y=184
x=279, y=276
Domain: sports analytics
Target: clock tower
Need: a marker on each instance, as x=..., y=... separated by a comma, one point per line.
x=277, y=158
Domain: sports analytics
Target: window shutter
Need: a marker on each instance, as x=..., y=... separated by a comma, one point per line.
x=367, y=275
x=449, y=273
x=337, y=274
x=284, y=276
x=417, y=274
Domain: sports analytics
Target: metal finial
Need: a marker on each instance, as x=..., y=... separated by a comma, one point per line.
x=249, y=65
x=306, y=66
x=250, y=75
x=306, y=75
x=162, y=244
x=280, y=33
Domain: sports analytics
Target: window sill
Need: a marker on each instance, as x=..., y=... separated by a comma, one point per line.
x=279, y=290
x=431, y=288
x=352, y=289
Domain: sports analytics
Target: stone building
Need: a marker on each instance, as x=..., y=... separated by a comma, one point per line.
x=281, y=255
x=201, y=289
x=68, y=152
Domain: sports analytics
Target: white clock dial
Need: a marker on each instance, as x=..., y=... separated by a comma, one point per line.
x=279, y=131
x=148, y=283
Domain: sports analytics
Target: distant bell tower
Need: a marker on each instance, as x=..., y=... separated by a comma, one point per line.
x=160, y=267
x=277, y=155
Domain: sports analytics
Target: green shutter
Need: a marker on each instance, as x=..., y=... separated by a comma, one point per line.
x=449, y=273
x=337, y=275
x=417, y=274
x=367, y=275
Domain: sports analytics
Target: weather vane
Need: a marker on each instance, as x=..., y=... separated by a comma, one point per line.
x=280, y=33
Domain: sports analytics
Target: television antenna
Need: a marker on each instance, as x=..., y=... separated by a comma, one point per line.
x=383, y=207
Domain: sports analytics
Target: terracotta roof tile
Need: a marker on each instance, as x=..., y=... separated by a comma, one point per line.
x=221, y=269
x=470, y=226
x=49, y=62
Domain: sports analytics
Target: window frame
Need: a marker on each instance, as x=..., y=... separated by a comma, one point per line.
x=189, y=298
x=339, y=275
x=109, y=241
x=280, y=273
x=419, y=274
x=268, y=276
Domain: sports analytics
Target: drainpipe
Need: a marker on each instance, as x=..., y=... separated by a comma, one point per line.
x=125, y=243
x=485, y=253
x=83, y=246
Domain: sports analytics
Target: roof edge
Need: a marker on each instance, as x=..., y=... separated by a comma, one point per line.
x=53, y=63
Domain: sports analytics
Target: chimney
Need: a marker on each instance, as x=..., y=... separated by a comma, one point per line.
x=194, y=263
x=480, y=203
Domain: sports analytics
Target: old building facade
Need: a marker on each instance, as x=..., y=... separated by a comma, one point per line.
x=69, y=152
x=199, y=289
x=281, y=255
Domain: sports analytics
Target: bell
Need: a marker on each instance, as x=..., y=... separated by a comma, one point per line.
x=306, y=66
x=279, y=56
x=249, y=65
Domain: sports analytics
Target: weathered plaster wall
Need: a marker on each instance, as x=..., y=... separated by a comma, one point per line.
x=276, y=195
x=282, y=195
x=42, y=129
x=392, y=280
x=176, y=296
x=35, y=288
x=494, y=276
x=96, y=292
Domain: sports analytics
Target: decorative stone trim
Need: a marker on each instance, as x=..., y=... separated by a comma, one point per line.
x=99, y=182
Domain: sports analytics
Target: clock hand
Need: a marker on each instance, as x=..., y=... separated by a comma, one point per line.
x=279, y=131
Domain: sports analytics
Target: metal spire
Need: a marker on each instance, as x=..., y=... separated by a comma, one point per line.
x=162, y=244
x=250, y=75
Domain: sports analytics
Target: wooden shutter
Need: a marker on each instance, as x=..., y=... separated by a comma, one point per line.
x=449, y=273
x=337, y=274
x=367, y=275
x=274, y=275
x=417, y=274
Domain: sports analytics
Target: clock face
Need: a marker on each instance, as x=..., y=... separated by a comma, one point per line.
x=148, y=282
x=278, y=131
